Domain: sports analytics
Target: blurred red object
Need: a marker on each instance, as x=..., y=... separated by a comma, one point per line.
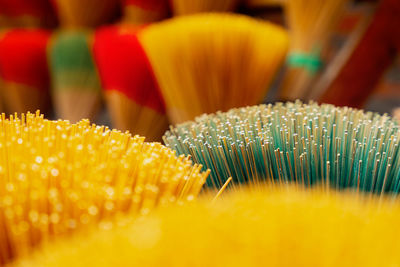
x=24, y=70
x=131, y=90
x=123, y=66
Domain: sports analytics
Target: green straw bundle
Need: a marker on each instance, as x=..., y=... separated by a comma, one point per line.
x=307, y=144
x=76, y=86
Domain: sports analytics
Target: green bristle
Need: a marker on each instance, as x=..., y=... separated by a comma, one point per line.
x=309, y=144
x=71, y=62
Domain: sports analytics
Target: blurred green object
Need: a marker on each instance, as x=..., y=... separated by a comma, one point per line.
x=311, y=62
x=76, y=87
x=72, y=63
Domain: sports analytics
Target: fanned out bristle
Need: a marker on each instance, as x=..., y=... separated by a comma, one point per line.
x=286, y=227
x=306, y=144
x=184, y=7
x=209, y=62
x=24, y=70
x=76, y=89
x=57, y=178
x=312, y=22
x=131, y=90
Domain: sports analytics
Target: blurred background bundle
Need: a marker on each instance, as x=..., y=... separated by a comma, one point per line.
x=140, y=65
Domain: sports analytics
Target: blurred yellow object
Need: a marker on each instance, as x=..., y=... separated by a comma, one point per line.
x=209, y=62
x=57, y=178
x=272, y=227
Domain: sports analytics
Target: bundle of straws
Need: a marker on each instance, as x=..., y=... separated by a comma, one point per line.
x=76, y=89
x=294, y=142
x=265, y=147
x=58, y=178
x=24, y=69
x=311, y=24
x=130, y=89
x=289, y=227
x=201, y=62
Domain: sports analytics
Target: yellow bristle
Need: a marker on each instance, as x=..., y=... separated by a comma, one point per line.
x=209, y=62
x=312, y=21
x=184, y=7
x=274, y=227
x=57, y=178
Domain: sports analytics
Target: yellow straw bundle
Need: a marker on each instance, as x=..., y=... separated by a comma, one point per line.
x=57, y=178
x=311, y=24
x=209, y=62
x=279, y=227
x=184, y=7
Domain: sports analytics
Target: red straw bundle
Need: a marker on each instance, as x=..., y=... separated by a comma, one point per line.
x=131, y=91
x=24, y=70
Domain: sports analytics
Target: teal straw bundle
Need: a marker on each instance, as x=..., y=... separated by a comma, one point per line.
x=308, y=144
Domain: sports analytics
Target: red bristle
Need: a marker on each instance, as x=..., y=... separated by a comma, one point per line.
x=124, y=66
x=147, y=4
x=23, y=57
